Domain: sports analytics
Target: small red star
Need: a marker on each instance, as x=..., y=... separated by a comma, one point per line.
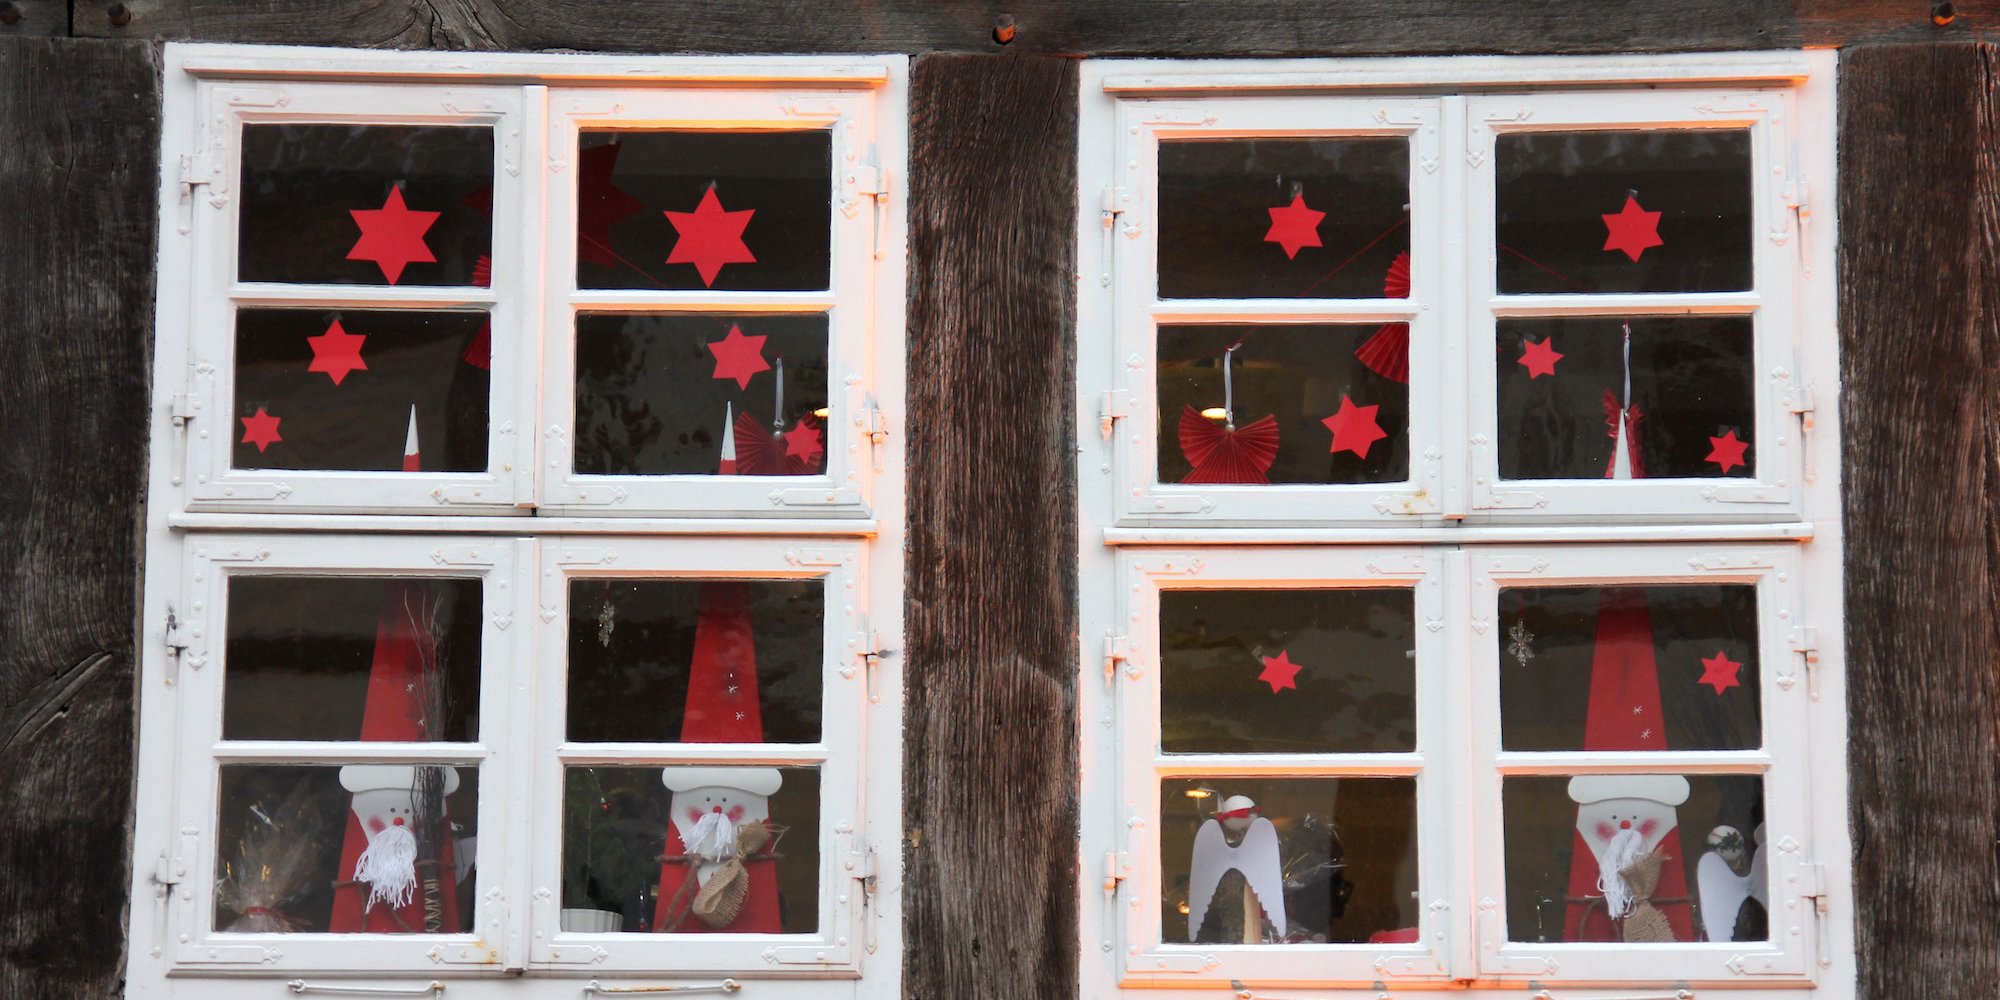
x=1719, y=672
x=1280, y=672
x=392, y=236
x=1632, y=229
x=1294, y=226
x=1540, y=357
x=710, y=237
x=261, y=429
x=1354, y=427
x=803, y=442
x=1728, y=450
x=738, y=356
x=337, y=352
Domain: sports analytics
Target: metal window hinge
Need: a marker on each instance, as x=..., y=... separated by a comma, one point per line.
x=874, y=427
x=1117, y=868
x=872, y=182
x=1118, y=649
x=1112, y=204
x=1813, y=889
x=1805, y=642
x=183, y=407
x=1797, y=196
x=196, y=170
x=1799, y=400
x=1115, y=406
x=867, y=646
x=167, y=873
x=177, y=636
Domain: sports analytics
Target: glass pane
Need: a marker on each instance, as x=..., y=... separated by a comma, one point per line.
x=1633, y=211
x=723, y=210
x=366, y=848
x=1284, y=404
x=1285, y=218
x=352, y=658
x=1288, y=860
x=343, y=390
x=701, y=395
x=1684, y=387
x=643, y=846
x=366, y=204
x=1287, y=671
x=1629, y=668
x=696, y=661
x=1570, y=838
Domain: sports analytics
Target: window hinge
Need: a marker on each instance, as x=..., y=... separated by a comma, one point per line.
x=1118, y=649
x=1117, y=868
x=196, y=170
x=867, y=646
x=183, y=408
x=1112, y=205
x=872, y=182
x=1813, y=889
x=875, y=427
x=1115, y=406
x=1798, y=400
x=1805, y=642
x=1798, y=197
x=168, y=872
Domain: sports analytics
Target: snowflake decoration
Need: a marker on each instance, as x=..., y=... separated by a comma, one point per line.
x=1522, y=647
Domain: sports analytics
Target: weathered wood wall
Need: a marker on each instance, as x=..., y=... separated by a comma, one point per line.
x=1920, y=366
x=78, y=170
x=991, y=776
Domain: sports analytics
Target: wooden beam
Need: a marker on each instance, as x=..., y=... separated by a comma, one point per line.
x=78, y=185
x=1920, y=362
x=989, y=891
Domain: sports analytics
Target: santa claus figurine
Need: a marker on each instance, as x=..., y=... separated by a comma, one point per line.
x=1628, y=824
x=383, y=894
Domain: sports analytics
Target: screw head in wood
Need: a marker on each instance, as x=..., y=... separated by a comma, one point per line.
x=119, y=15
x=1004, y=28
x=1943, y=13
x=9, y=14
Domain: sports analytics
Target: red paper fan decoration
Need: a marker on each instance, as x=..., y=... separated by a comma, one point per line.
x=1221, y=455
x=763, y=451
x=1387, y=353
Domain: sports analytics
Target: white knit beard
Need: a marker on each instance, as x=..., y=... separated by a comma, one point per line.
x=389, y=866
x=1626, y=848
x=714, y=837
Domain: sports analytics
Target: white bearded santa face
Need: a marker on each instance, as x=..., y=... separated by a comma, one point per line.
x=385, y=803
x=710, y=803
x=1623, y=817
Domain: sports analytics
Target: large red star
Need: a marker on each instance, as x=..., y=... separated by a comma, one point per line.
x=1354, y=427
x=392, y=235
x=1540, y=357
x=710, y=237
x=1632, y=229
x=803, y=442
x=738, y=356
x=1727, y=451
x=1719, y=672
x=260, y=429
x=1280, y=672
x=600, y=204
x=337, y=352
x=1294, y=226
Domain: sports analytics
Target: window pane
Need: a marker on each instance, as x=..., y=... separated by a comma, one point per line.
x=696, y=661
x=1686, y=394
x=1631, y=211
x=366, y=204
x=1684, y=855
x=1288, y=860
x=367, y=848
x=642, y=845
x=1629, y=668
x=722, y=210
x=1287, y=671
x=340, y=390
x=352, y=658
x=701, y=395
x=1310, y=404
x=1284, y=218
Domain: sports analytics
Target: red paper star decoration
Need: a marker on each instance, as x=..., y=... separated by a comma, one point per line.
x=738, y=356
x=1540, y=357
x=1354, y=427
x=1280, y=672
x=337, y=352
x=600, y=204
x=803, y=442
x=710, y=237
x=1632, y=229
x=1294, y=226
x=392, y=236
x=260, y=429
x=1719, y=672
x=1220, y=455
x=1727, y=450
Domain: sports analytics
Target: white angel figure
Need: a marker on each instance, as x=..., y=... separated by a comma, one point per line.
x=1255, y=855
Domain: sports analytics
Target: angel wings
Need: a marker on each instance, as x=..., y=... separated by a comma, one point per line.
x=1256, y=857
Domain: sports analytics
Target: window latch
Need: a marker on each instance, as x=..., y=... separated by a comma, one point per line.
x=598, y=989
x=433, y=988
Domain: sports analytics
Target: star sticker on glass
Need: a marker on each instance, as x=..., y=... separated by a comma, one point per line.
x=392, y=236
x=738, y=356
x=710, y=237
x=803, y=442
x=1632, y=229
x=337, y=353
x=1294, y=226
x=260, y=429
x=1539, y=357
x=1719, y=672
x=1727, y=450
x=1354, y=427
x=1280, y=672
x=600, y=204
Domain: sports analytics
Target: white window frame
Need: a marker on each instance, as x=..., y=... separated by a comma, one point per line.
x=1785, y=542
x=202, y=532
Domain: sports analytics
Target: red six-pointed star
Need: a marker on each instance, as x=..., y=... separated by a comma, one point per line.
x=1632, y=229
x=1354, y=427
x=337, y=353
x=1540, y=357
x=1727, y=450
x=710, y=237
x=803, y=442
x=1280, y=672
x=260, y=429
x=1719, y=672
x=1294, y=226
x=392, y=236
x=738, y=356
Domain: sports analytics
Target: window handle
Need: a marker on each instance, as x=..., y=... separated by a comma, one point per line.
x=1675, y=995
x=599, y=989
x=430, y=989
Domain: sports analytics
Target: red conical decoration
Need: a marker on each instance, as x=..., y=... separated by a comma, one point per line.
x=1222, y=455
x=1387, y=353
